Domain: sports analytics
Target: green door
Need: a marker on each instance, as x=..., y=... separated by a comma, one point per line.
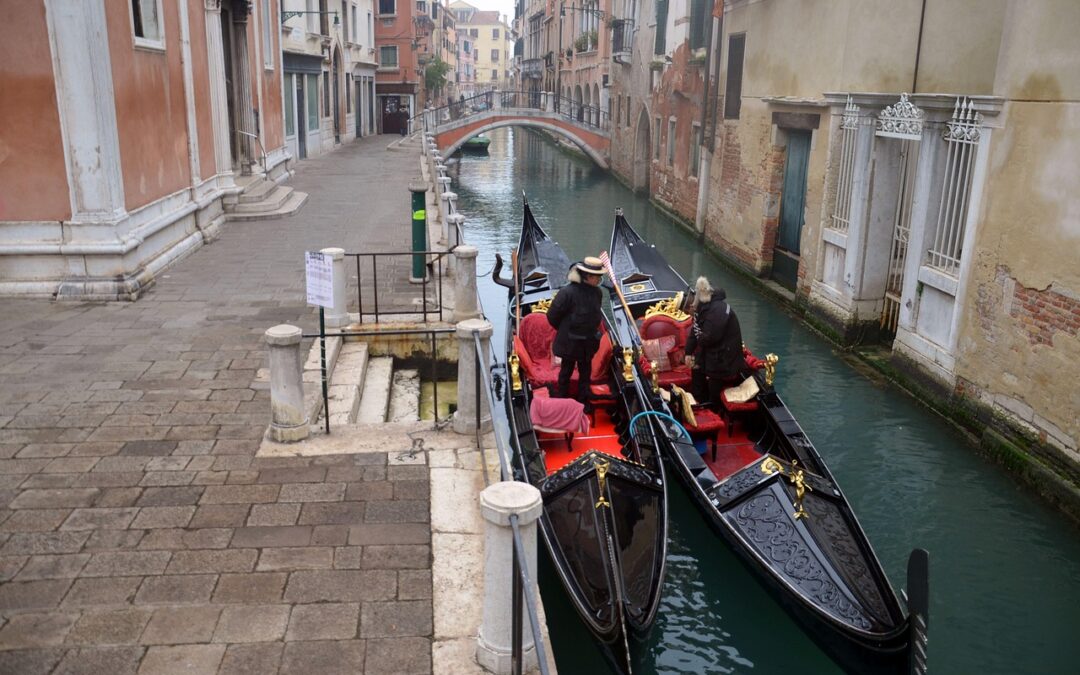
x=785, y=268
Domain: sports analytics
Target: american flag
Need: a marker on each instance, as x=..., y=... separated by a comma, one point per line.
x=607, y=265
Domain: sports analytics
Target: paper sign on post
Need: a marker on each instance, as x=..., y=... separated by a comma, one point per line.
x=320, y=279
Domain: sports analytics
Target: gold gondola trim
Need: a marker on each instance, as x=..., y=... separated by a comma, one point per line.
x=601, y=479
x=515, y=371
x=669, y=308
x=542, y=306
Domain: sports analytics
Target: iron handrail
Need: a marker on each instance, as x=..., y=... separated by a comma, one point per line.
x=435, y=257
x=521, y=586
x=582, y=113
x=262, y=150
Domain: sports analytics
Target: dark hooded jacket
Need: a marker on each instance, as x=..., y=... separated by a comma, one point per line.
x=716, y=340
x=575, y=314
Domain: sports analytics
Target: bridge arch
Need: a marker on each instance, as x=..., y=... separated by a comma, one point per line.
x=569, y=135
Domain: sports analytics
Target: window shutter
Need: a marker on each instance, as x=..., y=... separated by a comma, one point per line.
x=661, y=27
x=733, y=91
x=697, y=24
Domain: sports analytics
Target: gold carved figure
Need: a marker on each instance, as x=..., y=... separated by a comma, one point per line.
x=601, y=479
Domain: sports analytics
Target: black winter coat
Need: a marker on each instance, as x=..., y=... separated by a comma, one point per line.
x=576, y=314
x=716, y=340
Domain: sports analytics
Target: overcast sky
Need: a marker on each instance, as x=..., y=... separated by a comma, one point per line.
x=504, y=7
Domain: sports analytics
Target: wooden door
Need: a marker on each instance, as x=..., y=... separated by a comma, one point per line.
x=792, y=209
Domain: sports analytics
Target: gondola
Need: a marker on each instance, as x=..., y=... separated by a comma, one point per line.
x=763, y=487
x=604, y=522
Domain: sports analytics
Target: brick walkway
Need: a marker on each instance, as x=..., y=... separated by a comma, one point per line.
x=138, y=531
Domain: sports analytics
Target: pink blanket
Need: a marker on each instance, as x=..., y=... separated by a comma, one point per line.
x=558, y=414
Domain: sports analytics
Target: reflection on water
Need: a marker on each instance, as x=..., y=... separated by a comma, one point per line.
x=1004, y=568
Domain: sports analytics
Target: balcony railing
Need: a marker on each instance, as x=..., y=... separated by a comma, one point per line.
x=622, y=36
x=532, y=68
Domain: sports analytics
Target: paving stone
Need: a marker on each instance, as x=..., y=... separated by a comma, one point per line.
x=260, y=537
x=245, y=477
x=337, y=513
x=70, y=465
x=144, y=433
x=330, y=535
x=148, y=448
x=168, y=463
x=412, y=489
x=213, y=561
x=34, y=543
x=53, y=567
x=250, y=588
x=323, y=621
x=176, y=589
x=397, y=557
x=398, y=656
x=252, y=623
x=99, y=519
x=32, y=594
x=311, y=474
x=163, y=516
x=344, y=657
x=396, y=473
x=273, y=514
x=251, y=659
x=397, y=511
x=118, y=497
x=23, y=631
x=224, y=515
x=51, y=499
x=126, y=563
x=103, y=661
x=179, y=625
x=378, y=533
x=348, y=557
x=114, y=540
x=414, y=584
x=182, y=660
x=232, y=463
x=297, y=558
x=312, y=492
x=240, y=494
x=340, y=586
x=167, y=478
x=374, y=490
x=48, y=481
x=170, y=496
x=109, y=627
x=103, y=591
x=39, y=450
x=30, y=661
x=96, y=449
x=178, y=539
x=130, y=477
x=34, y=520
x=409, y=618
x=10, y=566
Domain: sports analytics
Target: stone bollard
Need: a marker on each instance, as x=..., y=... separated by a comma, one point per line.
x=455, y=223
x=550, y=102
x=465, y=284
x=442, y=186
x=497, y=503
x=338, y=315
x=465, y=416
x=496, y=100
x=449, y=204
x=288, y=420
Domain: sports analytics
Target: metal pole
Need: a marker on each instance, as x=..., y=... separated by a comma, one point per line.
x=375, y=280
x=434, y=380
x=359, y=289
x=419, y=230
x=479, y=364
x=515, y=610
x=322, y=349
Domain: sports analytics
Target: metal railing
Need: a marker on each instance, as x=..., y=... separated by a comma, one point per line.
x=622, y=36
x=583, y=114
x=262, y=150
x=433, y=266
x=521, y=587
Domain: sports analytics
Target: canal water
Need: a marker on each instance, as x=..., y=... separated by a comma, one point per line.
x=1004, y=568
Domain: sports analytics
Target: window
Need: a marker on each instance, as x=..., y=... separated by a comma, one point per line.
x=661, y=27
x=494, y=33
x=268, y=37
x=326, y=93
x=474, y=32
x=733, y=89
x=388, y=56
x=387, y=6
x=324, y=18
x=313, y=102
x=695, y=148
x=476, y=55
x=370, y=30
x=656, y=140
x=627, y=111
x=354, y=33
x=494, y=55
x=290, y=104
x=671, y=142
x=344, y=21
x=348, y=89
x=618, y=109
x=146, y=23
x=698, y=23
x=494, y=76
x=421, y=6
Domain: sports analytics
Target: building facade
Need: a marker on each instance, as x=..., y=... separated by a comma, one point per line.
x=129, y=124
x=398, y=76
x=492, y=45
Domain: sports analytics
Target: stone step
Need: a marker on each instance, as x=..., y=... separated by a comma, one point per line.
x=256, y=191
x=271, y=200
x=375, y=396
x=290, y=207
x=313, y=375
x=347, y=383
x=405, y=396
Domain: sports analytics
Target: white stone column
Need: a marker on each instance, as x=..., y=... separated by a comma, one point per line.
x=86, y=103
x=288, y=420
x=465, y=284
x=442, y=185
x=338, y=315
x=496, y=100
x=497, y=503
x=245, y=112
x=455, y=222
x=465, y=416
x=449, y=199
x=215, y=59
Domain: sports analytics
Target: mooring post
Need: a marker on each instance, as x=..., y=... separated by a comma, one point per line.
x=288, y=420
x=465, y=283
x=465, y=418
x=419, y=230
x=337, y=315
x=449, y=204
x=443, y=182
x=498, y=502
x=454, y=226
x=550, y=107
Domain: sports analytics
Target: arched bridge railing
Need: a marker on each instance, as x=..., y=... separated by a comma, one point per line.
x=514, y=103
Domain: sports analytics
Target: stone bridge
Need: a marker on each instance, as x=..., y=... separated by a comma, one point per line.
x=585, y=126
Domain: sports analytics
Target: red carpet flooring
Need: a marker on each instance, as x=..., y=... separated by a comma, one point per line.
x=601, y=437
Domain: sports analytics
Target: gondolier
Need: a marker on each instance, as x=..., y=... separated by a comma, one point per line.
x=715, y=343
x=576, y=314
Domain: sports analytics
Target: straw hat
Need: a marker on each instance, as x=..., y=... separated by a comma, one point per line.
x=591, y=265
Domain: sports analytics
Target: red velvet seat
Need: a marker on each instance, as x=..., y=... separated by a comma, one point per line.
x=533, y=347
x=728, y=409
x=659, y=326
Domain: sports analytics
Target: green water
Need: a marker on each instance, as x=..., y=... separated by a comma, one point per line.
x=1004, y=568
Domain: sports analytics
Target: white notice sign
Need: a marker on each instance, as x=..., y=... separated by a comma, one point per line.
x=320, y=279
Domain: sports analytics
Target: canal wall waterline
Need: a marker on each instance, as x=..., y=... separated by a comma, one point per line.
x=1044, y=468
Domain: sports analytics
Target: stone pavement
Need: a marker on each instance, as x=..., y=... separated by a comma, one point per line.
x=138, y=531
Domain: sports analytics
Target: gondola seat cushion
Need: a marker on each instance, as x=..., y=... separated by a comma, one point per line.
x=557, y=415
x=533, y=346
x=670, y=336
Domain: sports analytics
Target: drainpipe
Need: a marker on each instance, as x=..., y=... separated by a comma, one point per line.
x=918, y=49
x=705, y=154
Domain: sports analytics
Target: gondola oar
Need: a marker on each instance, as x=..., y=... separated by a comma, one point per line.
x=622, y=299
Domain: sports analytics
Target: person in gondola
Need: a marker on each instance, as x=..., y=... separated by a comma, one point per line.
x=576, y=314
x=714, y=347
